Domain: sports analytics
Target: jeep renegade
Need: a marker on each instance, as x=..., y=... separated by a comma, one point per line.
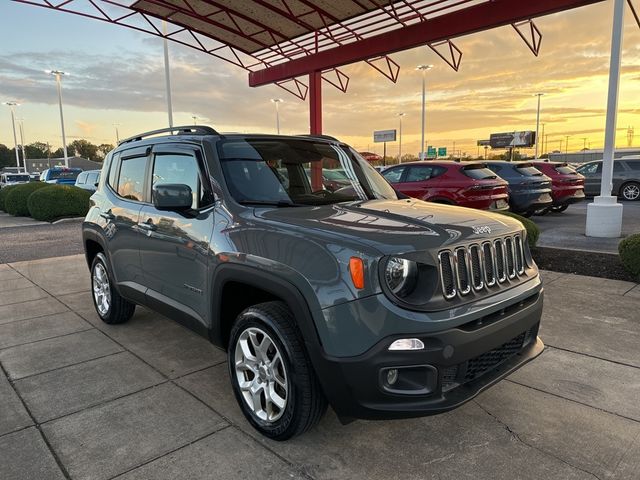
x=380, y=305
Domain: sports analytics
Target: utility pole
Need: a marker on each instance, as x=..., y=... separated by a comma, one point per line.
x=167, y=74
x=116, y=125
x=58, y=74
x=400, y=115
x=277, y=102
x=566, y=145
x=538, y=122
x=24, y=154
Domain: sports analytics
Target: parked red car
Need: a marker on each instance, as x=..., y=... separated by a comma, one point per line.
x=567, y=184
x=470, y=185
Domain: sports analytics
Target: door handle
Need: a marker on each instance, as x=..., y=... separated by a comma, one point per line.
x=107, y=215
x=147, y=226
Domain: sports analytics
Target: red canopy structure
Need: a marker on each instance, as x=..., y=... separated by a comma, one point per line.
x=284, y=41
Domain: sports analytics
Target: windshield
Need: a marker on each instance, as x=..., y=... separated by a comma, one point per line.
x=70, y=174
x=479, y=172
x=528, y=170
x=282, y=172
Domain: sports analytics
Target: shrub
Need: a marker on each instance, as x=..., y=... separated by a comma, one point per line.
x=629, y=250
x=57, y=201
x=3, y=195
x=533, y=232
x=16, y=201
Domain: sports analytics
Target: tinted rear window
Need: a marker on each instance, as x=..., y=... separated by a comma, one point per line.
x=528, y=171
x=565, y=170
x=633, y=165
x=68, y=174
x=478, y=172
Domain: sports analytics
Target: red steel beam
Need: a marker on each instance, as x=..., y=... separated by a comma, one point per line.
x=469, y=20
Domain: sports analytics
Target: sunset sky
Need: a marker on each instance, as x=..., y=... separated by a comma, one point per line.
x=117, y=77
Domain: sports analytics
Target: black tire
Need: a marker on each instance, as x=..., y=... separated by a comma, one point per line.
x=305, y=402
x=526, y=214
x=559, y=208
x=119, y=310
x=543, y=211
x=630, y=191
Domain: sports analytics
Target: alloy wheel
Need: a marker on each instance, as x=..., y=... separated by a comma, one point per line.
x=261, y=374
x=101, y=289
x=631, y=191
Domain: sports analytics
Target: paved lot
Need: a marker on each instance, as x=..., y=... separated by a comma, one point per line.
x=25, y=239
x=84, y=400
x=566, y=230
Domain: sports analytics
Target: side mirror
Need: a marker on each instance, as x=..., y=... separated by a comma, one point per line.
x=172, y=196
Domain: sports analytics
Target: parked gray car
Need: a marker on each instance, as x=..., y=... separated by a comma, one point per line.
x=626, y=177
x=88, y=180
x=379, y=306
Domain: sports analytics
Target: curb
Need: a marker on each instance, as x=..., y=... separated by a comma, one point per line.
x=68, y=220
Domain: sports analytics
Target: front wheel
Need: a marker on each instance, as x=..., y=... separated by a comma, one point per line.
x=110, y=306
x=631, y=191
x=272, y=377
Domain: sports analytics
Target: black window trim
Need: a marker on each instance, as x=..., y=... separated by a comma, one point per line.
x=118, y=158
x=183, y=149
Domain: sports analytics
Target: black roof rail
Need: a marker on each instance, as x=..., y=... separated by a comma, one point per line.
x=324, y=137
x=184, y=130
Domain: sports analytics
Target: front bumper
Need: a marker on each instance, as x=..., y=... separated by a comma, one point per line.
x=456, y=365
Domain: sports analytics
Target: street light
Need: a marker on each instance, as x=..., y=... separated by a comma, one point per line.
x=400, y=115
x=424, y=69
x=116, y=125
x=24, y=153
x=277, y=102
x=195, y=119
x=12, y=106
x=58, y=74
x=537, y=120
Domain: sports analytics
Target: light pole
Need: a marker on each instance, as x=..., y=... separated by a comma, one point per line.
x=537, y=121
x=424, y=69
x=58, y=74
x=116, y=125
x=400, y=115
x=12, y=106
x=277, y=102
x=543, y=149
x=195, y=119
x=566, y=145
x=24, y=154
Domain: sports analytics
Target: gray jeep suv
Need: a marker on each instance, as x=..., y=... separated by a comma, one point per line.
x=381, y=306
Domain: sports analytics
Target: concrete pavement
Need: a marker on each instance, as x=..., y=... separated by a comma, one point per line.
x=149, y=399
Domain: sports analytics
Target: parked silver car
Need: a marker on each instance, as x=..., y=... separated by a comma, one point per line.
x=626, y=177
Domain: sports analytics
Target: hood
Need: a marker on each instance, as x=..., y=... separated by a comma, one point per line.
x=394, y=226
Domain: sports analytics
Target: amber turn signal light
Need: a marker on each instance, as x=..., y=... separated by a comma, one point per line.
x=356, y=268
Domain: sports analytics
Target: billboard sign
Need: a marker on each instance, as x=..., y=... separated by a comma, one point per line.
x=484, y=143
x=381, y=136
x=512, y=139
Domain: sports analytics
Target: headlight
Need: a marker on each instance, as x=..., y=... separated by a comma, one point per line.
x=401, y=275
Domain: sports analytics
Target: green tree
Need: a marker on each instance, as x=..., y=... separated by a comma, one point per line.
x=36, y=150
x=59, y=153
x=103, y=149
x=6, y=156
x=84, y=148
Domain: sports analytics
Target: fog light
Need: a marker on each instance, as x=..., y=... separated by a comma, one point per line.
x=392, y=376
x=407, y=344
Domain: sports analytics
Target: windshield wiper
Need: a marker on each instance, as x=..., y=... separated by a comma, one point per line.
x=270, y=203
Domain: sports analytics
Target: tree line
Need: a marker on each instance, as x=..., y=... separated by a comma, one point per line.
x=36, y=150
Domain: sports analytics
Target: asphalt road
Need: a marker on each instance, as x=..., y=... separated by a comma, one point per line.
x=566, y=229
x=40, y=241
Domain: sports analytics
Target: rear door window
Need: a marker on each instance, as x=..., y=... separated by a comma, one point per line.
x=131, y=178
x=393, y=175
x=419, y=174
x=634, y=165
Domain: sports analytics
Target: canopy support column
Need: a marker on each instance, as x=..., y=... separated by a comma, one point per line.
x=315, y=122
x=604, y=215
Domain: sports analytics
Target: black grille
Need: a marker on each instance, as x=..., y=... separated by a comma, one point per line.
x=456, y=375
x=511, y=263
x=479, y=365
x=463, y=271
x=500, y=261
x=490, y=274
x=446, y=275
x=476, y=267
x=519, y=255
